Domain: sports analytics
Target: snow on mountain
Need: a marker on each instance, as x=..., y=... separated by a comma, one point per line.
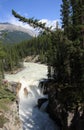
x=12, y=27
x=50, y=23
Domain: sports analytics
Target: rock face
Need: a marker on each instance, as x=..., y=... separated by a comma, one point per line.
x=65, y=119
x=9, y=114
x=25, y=92
x=12, y=86
x=13, y=122
x=18, y=87
x=33, y=59
x=77, y=122
x=41, y=101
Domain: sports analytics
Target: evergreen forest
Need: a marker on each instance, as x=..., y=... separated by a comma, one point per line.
x=61, y=49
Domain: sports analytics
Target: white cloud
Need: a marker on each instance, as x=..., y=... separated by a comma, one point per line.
x=50, y=23
x=15, y=21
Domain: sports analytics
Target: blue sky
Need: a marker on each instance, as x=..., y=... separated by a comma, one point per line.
x=47, y=10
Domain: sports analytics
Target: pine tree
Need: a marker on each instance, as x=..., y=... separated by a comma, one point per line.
x=77, y=7
x=65, y=58
x=2, y=55
x=65, y=15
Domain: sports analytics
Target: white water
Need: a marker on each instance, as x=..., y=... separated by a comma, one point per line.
x=31, y=116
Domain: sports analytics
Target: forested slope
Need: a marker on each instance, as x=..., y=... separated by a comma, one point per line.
x=63, y=51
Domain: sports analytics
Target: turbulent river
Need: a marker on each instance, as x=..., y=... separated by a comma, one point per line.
x=32, y=117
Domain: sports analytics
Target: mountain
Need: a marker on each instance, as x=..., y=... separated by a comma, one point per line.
x=10, y=33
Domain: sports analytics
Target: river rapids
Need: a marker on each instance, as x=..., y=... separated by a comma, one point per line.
x=32, y=117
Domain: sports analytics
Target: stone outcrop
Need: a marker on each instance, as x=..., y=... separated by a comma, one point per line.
x=25, y=92
x=12, y=119
x=18, y=87
x=66, y=119
x=41, y=101
x=9, y=117
x=32, y=59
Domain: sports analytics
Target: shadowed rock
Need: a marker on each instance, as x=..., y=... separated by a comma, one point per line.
x=18, y=87
x=25, y=91
x=41, y=101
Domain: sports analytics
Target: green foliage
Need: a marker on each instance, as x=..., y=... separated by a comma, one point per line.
x=14, y=36
x=64, y=51
x=2, y=55
x=36, y=46
x=72, y=19
x=12, y=60
x=58, y=56
x=6, y=98
x=77, y=63
x=65, y=15
x=2, y=52
x=33, y=22
x=6, y=94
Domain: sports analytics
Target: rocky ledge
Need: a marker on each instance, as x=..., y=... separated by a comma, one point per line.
x=10, y=119
x=59, y=109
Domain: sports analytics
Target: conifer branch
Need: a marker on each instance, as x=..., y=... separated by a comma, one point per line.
x=32, y=22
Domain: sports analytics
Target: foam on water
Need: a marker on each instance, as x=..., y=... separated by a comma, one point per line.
x=31, y=116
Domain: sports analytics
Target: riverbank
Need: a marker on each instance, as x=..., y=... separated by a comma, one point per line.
x=30, y=59
x=9, y=119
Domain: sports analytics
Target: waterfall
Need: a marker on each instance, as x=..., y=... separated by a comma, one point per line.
x=31, y=116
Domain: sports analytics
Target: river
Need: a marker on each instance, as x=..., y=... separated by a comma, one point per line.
x=32, y=117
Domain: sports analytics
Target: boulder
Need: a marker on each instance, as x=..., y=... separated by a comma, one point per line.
x=25, y=91
x=41, y=101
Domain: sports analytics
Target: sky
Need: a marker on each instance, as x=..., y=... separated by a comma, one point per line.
x=45, y=10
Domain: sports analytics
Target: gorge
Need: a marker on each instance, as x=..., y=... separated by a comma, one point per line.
x=31, y=116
